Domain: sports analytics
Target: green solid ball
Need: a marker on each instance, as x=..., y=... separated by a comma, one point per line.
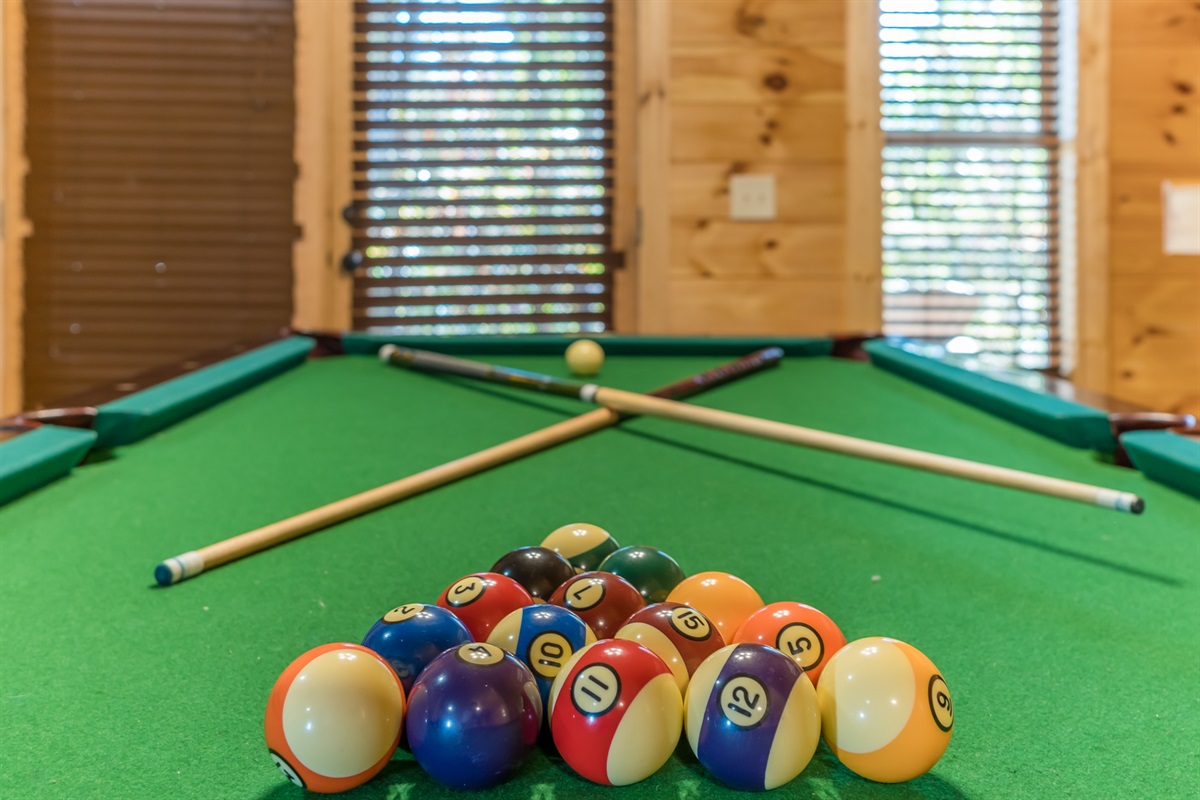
x=651, y=571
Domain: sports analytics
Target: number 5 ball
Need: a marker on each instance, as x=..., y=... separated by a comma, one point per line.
x=615, y=713
x=800, y=631
x=334, y=717
x=885, y=709
x=752, y=717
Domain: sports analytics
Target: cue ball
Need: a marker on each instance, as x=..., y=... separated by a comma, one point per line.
x=483, y=599
x=725, y=599
x=802, y=632
x=543, y=637
x=473, y=716
x=539, y=569
x=334, y=717
x=583, y=544
x=615, y=713
x=680, y=635
x=412, y=635
x=584, y=357
x=603, y=600
x=885, y=709
x=752, y=717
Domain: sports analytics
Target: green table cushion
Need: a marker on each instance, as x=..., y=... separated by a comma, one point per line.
x=36, y=458
x=1070, y=423
x=363, y=343
x=139, y=415
x=1166, y=457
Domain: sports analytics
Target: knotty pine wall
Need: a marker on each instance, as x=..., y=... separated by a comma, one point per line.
x=1154, y=135
x=756, y=86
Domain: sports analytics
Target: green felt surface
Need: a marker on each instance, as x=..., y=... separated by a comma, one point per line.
x=36, y=458
x=1166, y=457
x=1066, y=633
x=1062, y=420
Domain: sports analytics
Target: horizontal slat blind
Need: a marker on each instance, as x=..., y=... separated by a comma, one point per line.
x=970, y=177
x=159, y=134
x=482, y=166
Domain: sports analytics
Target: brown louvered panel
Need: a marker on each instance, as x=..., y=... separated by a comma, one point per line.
x=160, y=140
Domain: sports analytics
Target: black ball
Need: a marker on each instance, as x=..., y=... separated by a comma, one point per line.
x=539, y=569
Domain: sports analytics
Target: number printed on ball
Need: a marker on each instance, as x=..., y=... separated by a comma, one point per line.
x=940, y=703
x=402, y=613
x=585, y=594
x=466, y=591
x=547, y=653
x=689, y=623
x=802, y=643
x=596, y=689
x=744, y=701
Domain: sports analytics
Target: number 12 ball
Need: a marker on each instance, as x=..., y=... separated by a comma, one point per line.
x=334, y=717
x=885, y=709
x=752, y=717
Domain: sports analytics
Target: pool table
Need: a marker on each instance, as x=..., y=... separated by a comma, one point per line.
x=1067, y=633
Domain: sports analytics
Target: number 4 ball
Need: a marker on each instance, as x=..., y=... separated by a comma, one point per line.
x=885, y=709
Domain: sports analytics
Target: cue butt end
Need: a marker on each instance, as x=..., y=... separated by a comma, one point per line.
x=385, y=352
x=179, y=568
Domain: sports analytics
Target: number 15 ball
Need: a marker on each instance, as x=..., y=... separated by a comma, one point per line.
x=885, y=710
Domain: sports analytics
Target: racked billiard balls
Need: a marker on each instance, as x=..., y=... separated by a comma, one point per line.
x=615, y=712
x=885, y=709
x=752, y=717
x=651, y=571
x=539, y=569
x=583, y=544
x=412, y=635
x=543, y=637
x=483, y=599
x=800, y=631
x=725, y=599
x=680, y=635
x=334, y=717
x=603, y=600
x=473, y=716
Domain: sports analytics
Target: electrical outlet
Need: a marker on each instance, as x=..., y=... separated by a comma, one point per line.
x=752, y=197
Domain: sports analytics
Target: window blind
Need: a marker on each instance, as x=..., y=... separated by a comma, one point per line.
x=969, y=98
x=482, y=167
x=159, y=135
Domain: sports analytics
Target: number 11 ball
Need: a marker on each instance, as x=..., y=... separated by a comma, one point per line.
x=752, y=717
x=885, y=709
x=334, y=717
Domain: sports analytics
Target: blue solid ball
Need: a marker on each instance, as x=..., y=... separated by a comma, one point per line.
x=412, y=635
x=473, y=716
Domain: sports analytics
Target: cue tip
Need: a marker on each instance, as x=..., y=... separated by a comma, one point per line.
x=1137, y=506
x=179, y=568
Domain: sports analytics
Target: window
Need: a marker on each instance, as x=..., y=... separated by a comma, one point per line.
x=483, y=166
x=971, y=175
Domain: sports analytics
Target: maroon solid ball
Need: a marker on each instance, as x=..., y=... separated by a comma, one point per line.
x=603, y=600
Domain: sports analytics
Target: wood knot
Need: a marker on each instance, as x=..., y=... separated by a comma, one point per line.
x=770, y=244
x=776, y=82
x=1183, y=87
x=701, y=224
x=1170, y=137
x=765, y=139
x=748, y=24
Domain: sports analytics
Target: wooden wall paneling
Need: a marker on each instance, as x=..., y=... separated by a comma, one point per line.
x=324, y=60
x=862, y=307
x=653, y=166
x=13, y=166
x=1154, y=136
x=625, y=185
x=1091, y=356
x=758, y=87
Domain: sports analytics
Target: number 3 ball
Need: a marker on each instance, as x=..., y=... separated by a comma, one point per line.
x=615, y=713
x=412, y=635
x=473, y=716
x=483, y=599
x=334, y=717
x=800, y=631
x=885, y=710
x=543, y=637
x=752, y=717
x=680, y=635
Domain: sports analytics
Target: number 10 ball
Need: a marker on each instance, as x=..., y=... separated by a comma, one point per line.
x=752, y=717
x=885, y=710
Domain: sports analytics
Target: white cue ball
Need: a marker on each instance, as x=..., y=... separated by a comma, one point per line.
x=584, y=357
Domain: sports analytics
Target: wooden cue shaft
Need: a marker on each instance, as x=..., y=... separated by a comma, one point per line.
x=633, y=403
x=192, y=563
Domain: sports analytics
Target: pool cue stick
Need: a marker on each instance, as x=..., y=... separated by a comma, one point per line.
x=192, y=563
x=633, y=403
